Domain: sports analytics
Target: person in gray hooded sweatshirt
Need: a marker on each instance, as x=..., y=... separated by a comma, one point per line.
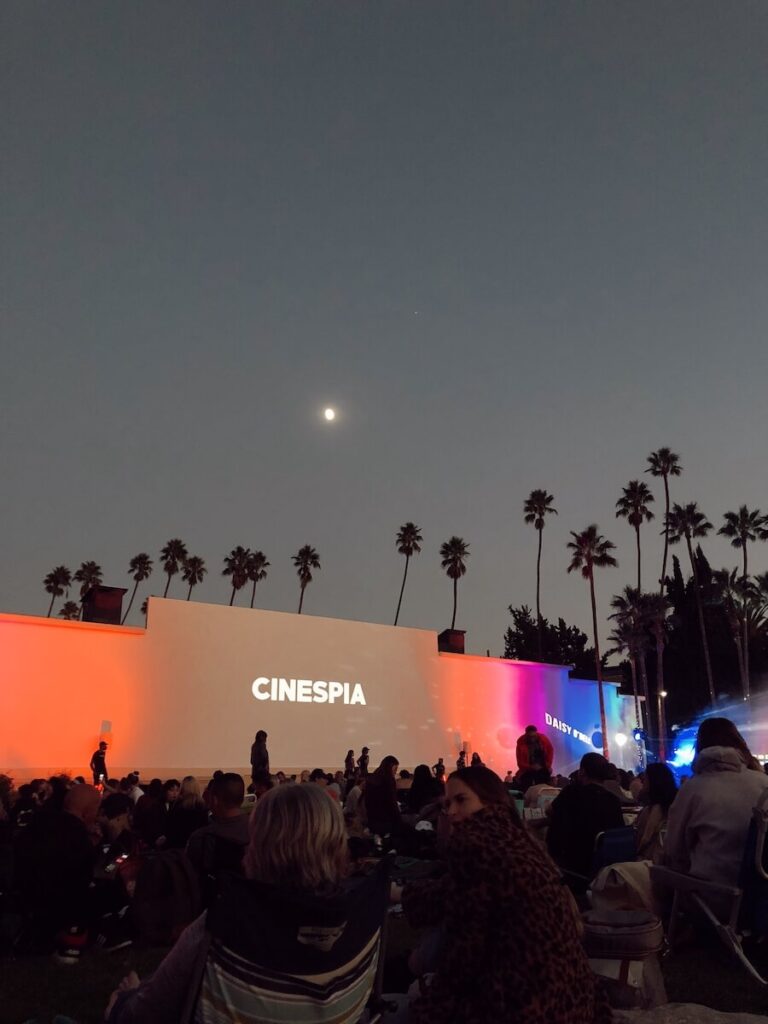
x=709, y=818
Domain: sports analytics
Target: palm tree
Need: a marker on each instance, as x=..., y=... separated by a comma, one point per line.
x=654, y=609
x=629, y=616
x=306, y=559
x=236, y=566
x=88, y=575
x=140, y=568
x=408, y=543
x=453, y=554
x=687, y=521
x=590, y=550
x=537, y=506
x=257, y=570
x=633, y=506
x=664, y=463
x=70, y=610
x=56, y=583
x=742, y=528
x=173, y=556
x=730, y=595
x=624, y=641
x=193, y=572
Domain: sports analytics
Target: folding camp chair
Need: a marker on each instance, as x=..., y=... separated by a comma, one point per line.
x=614, y=846
x=735, y=912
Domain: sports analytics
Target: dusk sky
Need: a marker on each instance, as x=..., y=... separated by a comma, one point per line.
x=516, y=245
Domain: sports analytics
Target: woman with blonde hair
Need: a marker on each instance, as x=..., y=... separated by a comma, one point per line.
x=292, y=940
x=187, y=814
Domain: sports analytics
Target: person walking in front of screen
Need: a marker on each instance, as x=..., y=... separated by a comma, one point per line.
x=461, y=761
x=439, y=770
x=362, y=762
x=349, y=764
x=259, y=754
x=99, y=763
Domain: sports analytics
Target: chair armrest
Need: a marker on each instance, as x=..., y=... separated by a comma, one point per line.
x=688, y=883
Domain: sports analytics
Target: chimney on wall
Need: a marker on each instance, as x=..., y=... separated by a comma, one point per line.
x=451, y=641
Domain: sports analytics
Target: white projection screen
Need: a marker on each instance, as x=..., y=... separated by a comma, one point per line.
x=179, y=695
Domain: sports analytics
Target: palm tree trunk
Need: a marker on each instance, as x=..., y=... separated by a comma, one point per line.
x=702, y=627
x=301, y=597
x=189, y=592
x=635, y=694
x=168, y=583
x=599, y=668
x=50, y=606
x=130, y=603
x=666, y=536
x=538, y=596
x=660, y=707
x=745, y=641
x=455, y=599
x=637, y=538
x=253, y=593
x=232, y=598
x=402, y=588
x=646, y=692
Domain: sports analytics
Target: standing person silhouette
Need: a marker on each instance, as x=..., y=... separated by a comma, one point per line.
x=99, y=763
x=362, y=762
x=259, y=755
x=461, y=761
x=349, y=764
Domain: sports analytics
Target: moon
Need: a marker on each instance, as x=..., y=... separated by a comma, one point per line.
x=329, y=414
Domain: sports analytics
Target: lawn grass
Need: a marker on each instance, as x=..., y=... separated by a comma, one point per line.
x=35, y=988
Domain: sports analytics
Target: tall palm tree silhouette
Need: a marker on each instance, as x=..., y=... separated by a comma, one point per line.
x=686, y=522
x=743, y=528
x=56, y=583
x=193, y=572
x=408, y=542
x=172, y=557
x=633, y=505
x=140, y=568
x=664, y=463
x=730, y=595
x=236, y=567
x=590, y=551
x=88, y=575
x=538, y=505
x=256, y=570
x=630, y=627
x=306, y=559
x=624, y=642
x=453, y=557
x=655, y=608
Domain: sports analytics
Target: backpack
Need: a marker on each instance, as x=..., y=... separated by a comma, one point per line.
x=167, y=897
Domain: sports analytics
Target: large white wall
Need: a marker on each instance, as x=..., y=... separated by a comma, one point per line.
x=179, y=695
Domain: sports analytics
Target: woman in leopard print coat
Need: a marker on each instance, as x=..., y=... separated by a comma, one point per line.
x=510, y=951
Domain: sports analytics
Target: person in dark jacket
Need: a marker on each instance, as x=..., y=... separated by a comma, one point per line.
x=187, y=814
x=362, y=762
x=259, y=754
x=380, y=798
x=583, y=809
x=510, y=947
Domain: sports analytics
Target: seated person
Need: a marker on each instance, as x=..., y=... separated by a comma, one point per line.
x=658, y=791
x=188, y=813
x=55, y=857
x=709, y=820
x=382, y=810
x=509, y=948
x=425, y=790
x=581, y=811
x=290, y=941
x=220, y=844
x=150, y=813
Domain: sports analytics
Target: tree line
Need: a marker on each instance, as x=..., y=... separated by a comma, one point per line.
x=643, y=621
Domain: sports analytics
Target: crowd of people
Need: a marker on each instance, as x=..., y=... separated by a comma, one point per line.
x=293, y=875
